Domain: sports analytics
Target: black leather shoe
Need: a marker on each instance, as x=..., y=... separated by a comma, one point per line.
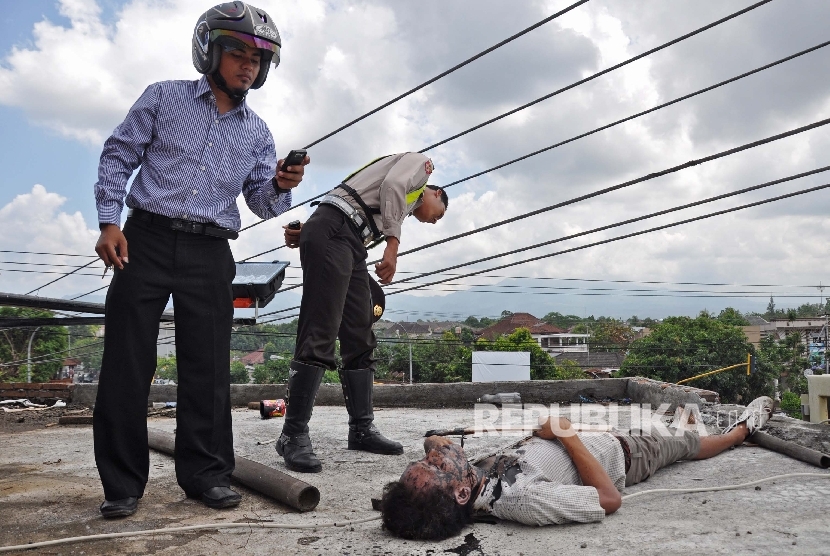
x=363, y=435
x=220, y=497
x=119, y=508
x=298, y=454
x=369, y=439
x=294, y=444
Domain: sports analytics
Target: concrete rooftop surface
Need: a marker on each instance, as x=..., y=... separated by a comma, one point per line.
x=49, y=489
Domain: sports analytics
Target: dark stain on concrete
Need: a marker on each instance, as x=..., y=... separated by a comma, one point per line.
x=471, y=546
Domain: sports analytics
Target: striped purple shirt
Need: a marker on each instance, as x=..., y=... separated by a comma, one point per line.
x=194, y=162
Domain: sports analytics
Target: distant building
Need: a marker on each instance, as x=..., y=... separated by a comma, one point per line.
x=166, y=344
x=550, y=338
x=509, y=324
x=595, y=362
x=69, y=367
x=408, y=329
x=439, y=327
x=810, y=329
x=254, y=358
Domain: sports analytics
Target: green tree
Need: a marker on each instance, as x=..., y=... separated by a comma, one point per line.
x=610, y=335
x=249, y=339
x=87, y=346
x=239, y=374
x=683, y=347
x=733, y=317
x=48, y=347
x=483, y=322
x=562, y=321
x=791, y=404
x=167, y=368
x=770, y=308
x=274, y=371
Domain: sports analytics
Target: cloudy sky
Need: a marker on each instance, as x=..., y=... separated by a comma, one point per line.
x=70, y=70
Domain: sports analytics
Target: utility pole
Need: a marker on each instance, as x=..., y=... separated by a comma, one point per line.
x=410, y=361
x=826, y=362
x=29, y=357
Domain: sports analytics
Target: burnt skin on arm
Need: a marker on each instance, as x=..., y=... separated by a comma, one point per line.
x=590, y=470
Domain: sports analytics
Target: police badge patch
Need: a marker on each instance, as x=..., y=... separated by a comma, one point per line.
x=428, y=167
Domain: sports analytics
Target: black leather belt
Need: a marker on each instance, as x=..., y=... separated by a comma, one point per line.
x=180, y=225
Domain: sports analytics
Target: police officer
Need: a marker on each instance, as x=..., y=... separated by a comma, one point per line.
x=199, y=145
x=368, y=207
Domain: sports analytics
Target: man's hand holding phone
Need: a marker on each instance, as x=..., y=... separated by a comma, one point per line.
x=290, y=169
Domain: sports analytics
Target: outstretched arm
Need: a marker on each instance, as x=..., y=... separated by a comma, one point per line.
x=590, y=470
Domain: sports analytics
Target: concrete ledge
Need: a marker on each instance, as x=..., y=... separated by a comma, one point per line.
x=458, y=394
x=34, y=390
x=655, y=392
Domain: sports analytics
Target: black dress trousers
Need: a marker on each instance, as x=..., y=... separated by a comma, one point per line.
x=337, y=302
x=197, y=271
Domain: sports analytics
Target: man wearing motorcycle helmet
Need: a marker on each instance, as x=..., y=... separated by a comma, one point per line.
x=199, y=146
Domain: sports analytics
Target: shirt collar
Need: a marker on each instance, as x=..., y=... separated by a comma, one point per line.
x=203, y=88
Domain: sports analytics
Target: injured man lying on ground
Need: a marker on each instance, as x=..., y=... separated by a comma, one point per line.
x=556, y=476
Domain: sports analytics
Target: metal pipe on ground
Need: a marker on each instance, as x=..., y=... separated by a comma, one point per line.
x=261, y=478
x=791, y=449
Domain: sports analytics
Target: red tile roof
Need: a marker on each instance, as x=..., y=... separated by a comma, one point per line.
x=509, y=324
x=254, y=358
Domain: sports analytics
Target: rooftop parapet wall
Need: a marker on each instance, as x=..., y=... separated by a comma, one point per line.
x=460, y=394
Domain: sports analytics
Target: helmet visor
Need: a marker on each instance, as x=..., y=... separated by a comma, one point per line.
x=250, y=40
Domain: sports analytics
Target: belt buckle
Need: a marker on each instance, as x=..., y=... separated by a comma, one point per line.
x=183, y=225
x=176, y=224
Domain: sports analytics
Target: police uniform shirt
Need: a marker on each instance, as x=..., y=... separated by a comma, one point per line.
x=386, y=184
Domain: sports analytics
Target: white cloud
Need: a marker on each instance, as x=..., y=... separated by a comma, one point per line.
x=34, y=222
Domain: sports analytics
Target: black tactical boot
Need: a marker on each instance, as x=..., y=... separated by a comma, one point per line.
x=357, y=390
x=294, y=444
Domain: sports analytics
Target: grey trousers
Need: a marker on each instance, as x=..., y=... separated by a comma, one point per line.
x=650, y=452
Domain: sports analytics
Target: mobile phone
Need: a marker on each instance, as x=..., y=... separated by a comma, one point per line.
x=294, y=158
x=295, y=225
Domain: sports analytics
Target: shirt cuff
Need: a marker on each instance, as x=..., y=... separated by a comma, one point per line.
x=277, y=189
x=393, y=230
x=109, y=213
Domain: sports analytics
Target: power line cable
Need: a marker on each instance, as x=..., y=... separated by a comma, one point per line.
x=87, y=293
x=264, y=252
x=62, y=277
x=26, y=263
x=462, y=64
x=449, y=71
x=624, y=281
x=626, y=236
x=24, y=271
x=46, y=253
x=622, y=185
x=572, y=139
x=629, y=290
x=620, y=293
x=625, y=184
x=638, y=114
x=622, y=223
x=598, y=74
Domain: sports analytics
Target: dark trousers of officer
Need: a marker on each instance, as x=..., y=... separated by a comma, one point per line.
x=197, y=270
x=336, y=302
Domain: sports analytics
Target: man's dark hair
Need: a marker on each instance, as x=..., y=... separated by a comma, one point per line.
x=422, y=515
x=444, y=198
